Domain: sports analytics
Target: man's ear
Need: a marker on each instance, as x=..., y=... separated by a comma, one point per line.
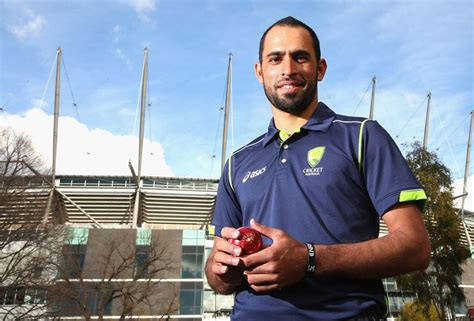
x=258, y=72
x=322, y=67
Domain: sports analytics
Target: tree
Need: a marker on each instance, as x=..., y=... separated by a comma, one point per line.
x=44, y=270
x=439, y=284
x=117, y=276
x=24, y=240
x=417, y=311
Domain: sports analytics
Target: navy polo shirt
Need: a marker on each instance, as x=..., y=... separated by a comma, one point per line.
x=330, y=183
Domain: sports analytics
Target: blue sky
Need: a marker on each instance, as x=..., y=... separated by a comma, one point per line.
x=412, y=47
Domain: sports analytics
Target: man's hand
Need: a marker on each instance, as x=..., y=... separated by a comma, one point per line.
x=276, y=266
x=224, y=269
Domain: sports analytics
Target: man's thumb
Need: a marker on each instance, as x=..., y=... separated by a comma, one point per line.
x=262, y=229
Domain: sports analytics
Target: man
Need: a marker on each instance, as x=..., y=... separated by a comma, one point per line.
x=315, y=185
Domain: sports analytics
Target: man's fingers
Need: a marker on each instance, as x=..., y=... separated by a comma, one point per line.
x=259, y=269
x=262, y=279
x=264, y=282
x=265, y=288
x=230, y=233
x=219, y=269
x=223, y=258
x=223, y=245
x=267, y=231
x=258, y=258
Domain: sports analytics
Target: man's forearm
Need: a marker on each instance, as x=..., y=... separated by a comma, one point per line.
x=401, y=251
x=378, y=258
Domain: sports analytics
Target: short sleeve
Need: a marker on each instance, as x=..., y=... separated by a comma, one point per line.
x=227, y=212
x=388, y=178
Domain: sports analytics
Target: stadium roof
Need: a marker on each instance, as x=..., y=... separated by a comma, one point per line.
x=110, y=200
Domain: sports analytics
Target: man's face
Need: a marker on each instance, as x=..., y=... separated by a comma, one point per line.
x=289, y=70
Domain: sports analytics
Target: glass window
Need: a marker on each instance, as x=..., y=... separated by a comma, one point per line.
x=65, y=182
x=143, y=236
x=189, y=234
x=77, y=235
x=390, y=284
x=142, y=256
x=91, y=299
x=119, y=182
x=78, y=182
x=190, y=298
x=74, y=258
x=192, y=261
x=93, y=302
x=148, y=182
x=103, y=182
x=35, y=296
x=73, y=303
x=12, y=295
x=194, y=237
x=3, y=293
x=92, y=182
x=142, y=251
x=20, y=295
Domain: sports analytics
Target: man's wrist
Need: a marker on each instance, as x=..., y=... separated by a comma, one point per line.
x=311, y=265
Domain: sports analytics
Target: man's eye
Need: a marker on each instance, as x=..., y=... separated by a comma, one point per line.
x=274, y=59
x=302, y=59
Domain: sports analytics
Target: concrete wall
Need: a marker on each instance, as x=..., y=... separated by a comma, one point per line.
x=110, y=254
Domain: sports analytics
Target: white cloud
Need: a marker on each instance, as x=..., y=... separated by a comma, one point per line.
x=118, y=52
x=116, y=31
x=28, y=25
x=85, y=151
x=144, y=8
x=39, y=103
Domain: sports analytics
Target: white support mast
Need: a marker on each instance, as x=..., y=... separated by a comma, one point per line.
x=466, y=168
x=427, y=123
x=136, y=220
x=56, y=114
x=52, y=183
x=464, y=187
x=57, y=95
x=372, y=99
x=226, y=111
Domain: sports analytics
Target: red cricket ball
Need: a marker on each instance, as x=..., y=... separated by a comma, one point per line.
x=250, y=240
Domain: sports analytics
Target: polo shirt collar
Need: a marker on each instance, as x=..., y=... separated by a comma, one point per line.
x=321, y=120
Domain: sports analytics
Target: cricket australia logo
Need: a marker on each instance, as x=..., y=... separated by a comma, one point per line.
x=314, y=157
x=254, y=174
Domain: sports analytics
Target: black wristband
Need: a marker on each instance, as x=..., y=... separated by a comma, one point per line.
x=311, y=267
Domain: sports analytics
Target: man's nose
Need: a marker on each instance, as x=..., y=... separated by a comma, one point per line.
x=288, y=67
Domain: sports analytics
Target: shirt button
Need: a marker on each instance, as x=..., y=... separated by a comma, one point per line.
x=283, y=160
x=285, y=146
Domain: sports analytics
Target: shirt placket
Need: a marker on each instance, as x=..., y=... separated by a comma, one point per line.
x=283, y=156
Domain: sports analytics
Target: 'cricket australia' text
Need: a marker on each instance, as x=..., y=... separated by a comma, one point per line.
x=312, y=171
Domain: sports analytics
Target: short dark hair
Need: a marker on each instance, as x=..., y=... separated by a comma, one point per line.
x=291, y=22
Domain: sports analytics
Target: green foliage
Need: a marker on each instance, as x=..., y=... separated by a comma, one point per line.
x=417, y=311
x=439, y=284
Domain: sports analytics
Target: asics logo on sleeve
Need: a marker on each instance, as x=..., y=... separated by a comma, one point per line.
x=254, y=174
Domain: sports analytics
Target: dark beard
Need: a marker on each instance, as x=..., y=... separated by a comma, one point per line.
x=293, y=103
